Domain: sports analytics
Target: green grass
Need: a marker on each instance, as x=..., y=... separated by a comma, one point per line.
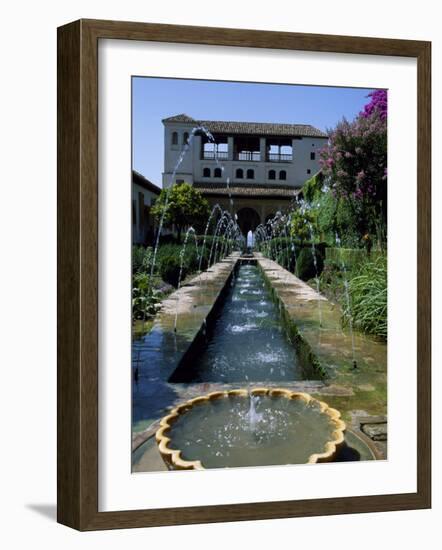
x=368, y=298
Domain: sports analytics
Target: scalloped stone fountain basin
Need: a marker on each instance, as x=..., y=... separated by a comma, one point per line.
x=261, y=428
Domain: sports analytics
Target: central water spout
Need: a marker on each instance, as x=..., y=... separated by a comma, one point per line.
x=253, y=416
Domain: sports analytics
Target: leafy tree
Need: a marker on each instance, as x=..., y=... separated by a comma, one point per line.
x=302, y=224
x=313, y=187
x=183, y=206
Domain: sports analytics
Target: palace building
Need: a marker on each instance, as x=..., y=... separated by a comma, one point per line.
x=261, y=166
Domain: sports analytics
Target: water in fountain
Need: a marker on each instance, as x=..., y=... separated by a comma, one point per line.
x=224, y=433
x=223, y=236
x=225, y=242
x=222, y=224
x=216, y=208
x=252, y=415
x=287, y=248
x=315, y=263
x=292, y=246
x=279, y=228
x=260, y=238
x=230, y=234
x=264, y=239
x=190, y=231
x=347, y=297
x=229, y=230
x=271, y=230
x=304, y=209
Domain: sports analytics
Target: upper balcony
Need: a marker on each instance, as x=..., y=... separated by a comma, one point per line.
x=247, y=156
x=247, y=149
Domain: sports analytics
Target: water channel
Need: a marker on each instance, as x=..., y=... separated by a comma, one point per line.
x=247, y=341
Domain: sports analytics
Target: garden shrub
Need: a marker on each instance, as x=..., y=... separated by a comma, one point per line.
x=141, y=258
x=170, y=269
x=170, y=238
x=305, y=265
x=145, y=299
x=313, y=187
x=331, y=281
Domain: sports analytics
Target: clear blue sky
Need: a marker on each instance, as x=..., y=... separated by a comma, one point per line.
x=157, y=98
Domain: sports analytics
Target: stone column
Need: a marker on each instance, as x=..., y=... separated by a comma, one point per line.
x=230, y=147
x=262, y=148
x=294, y=142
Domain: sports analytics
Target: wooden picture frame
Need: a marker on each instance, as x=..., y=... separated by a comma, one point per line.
x=78, y=273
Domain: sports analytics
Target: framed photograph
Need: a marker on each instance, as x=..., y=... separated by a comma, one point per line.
x=243, y=274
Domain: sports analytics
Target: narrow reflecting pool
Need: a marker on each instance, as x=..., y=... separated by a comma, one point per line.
x=247, y=341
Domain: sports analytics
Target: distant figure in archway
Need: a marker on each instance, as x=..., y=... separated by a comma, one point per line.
x=248, y=220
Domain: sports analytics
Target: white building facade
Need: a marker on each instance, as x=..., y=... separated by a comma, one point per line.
x=262, y=166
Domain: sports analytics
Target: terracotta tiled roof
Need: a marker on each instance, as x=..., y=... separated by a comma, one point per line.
x=253, y=128
x=139, y=179
x=247, y=190
x=179, y=118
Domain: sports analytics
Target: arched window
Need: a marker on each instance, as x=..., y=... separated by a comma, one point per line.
x=239, y=173
x=185, y=138
x=250, y=174
x=206, y=173
x=217, y=173
x=282, y=175
x=174, y=138
x=272, y=175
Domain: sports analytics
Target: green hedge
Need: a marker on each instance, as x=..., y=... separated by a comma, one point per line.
x=287, y=252
x=305, y=264
x=145, y=296
x=170, y=267
x=351, y=257
x=168, y=262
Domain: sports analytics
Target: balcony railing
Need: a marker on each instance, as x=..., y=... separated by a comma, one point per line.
x=248, y=156
x=254, y=156
x=212, y=155
x=277, y=157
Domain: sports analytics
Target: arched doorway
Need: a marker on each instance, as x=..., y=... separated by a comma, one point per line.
x=248, y=220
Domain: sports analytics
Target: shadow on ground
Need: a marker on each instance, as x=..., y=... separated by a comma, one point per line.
x=49, y=511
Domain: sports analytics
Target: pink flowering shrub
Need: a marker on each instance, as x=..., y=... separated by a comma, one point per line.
x=355, y=164
x=377, y=105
